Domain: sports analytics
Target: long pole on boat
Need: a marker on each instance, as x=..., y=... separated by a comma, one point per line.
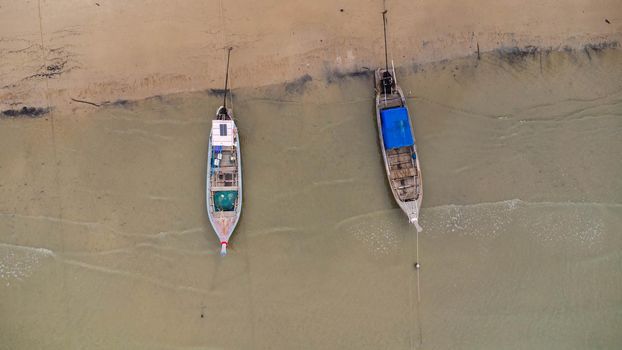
x=224, y=103
x=386, y=55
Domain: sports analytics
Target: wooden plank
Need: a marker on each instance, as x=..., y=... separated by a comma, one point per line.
x=224, y=188
x=402, y=173
x=226, y=169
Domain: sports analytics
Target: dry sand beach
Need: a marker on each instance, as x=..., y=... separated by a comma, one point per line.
x=53, y=51
x=104, y=238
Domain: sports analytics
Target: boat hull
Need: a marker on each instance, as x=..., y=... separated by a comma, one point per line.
x=401, y=163
x=224, y=219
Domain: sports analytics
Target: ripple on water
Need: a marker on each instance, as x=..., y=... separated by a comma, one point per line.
x=583, y=226
x=580, y=224
x=379, y=232
x=19, y=262
x=480, y=221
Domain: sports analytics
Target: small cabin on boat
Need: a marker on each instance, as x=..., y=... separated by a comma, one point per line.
x=222, y=133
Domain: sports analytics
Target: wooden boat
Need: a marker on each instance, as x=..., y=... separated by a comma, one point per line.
x=224, y=174
x=397, y=142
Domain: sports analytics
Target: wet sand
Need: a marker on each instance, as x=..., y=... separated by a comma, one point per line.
x=105, y=242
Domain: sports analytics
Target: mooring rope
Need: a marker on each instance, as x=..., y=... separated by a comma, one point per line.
x=224, y=42
x=418, y=266
x=417, y=309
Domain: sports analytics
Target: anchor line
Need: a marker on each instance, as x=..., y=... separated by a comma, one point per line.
x=418, y=306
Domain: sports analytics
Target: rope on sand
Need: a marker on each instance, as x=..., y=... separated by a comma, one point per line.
x=224, y=41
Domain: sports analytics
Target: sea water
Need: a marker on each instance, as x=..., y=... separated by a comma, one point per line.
x=105, y=241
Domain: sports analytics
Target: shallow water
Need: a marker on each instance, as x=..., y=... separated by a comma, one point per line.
x=106, y=243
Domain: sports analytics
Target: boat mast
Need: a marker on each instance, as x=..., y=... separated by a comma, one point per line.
x=387, y=79
x=386, y=55
x=224, y=102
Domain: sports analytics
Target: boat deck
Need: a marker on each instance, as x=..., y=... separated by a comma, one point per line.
x=224, y=175
x=390, y=101
x=403, y=173
x=225, y=169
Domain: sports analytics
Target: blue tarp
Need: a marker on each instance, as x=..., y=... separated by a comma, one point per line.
x=396, y=128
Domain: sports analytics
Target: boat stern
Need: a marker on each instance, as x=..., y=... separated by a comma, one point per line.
x=412, y=211
x=415, y=221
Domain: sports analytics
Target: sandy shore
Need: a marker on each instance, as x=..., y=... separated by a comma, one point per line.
x=105, y=51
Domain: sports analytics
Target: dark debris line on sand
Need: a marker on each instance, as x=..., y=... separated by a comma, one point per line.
x=121, y=103
x=333, y=76
x=219, y=92
x=87, y=102
x=25, y=112
x=50, y=71
x=517, y=54
x=298, y=85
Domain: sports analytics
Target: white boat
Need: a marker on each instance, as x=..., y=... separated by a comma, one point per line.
x=397, y=142
x=224, y=175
